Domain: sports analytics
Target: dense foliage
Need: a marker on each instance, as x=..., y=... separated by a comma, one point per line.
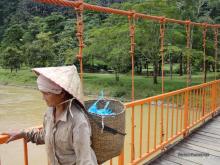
x=36, y=35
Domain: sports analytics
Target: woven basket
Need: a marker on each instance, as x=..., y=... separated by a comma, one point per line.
x=105, y=144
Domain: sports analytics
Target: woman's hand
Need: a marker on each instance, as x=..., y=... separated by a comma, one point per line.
x=14, y=135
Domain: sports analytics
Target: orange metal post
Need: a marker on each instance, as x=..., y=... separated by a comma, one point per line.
x=172, y=118
x=161, y=122
x=141, y=128
x=192, y=107
x=155, y=126
x=148, y=129
x=177, y=113
x=25, y=152
x=186, y=110
x=121, y=158
x=182, y=111
x=167, y=117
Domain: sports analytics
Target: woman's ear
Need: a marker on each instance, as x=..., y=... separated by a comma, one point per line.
x=63, y=94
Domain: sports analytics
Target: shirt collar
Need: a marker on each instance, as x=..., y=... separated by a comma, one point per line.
x=63, y=116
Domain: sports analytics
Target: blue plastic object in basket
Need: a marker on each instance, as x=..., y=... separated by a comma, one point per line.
x=103, y=111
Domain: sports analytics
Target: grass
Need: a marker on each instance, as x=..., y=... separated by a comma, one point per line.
x=95, y=82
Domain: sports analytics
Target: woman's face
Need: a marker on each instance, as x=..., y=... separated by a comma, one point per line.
x=53, y=99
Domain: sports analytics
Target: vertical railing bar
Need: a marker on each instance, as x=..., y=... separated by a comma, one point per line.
x=132, y=135
x=200, y=103
x=186, y=109
x=167, y=126
x=155, y=125
x=192, y=107
x=148, y=133
x=177, y=113
x=172, y=116
x=182, y=112
x=25, y=152
x=197, y=104
x=141, y=127
x=189, y=108
x=203, y=102
x=161, y=120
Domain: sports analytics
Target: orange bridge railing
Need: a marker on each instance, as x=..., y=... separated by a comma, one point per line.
x=156, y=122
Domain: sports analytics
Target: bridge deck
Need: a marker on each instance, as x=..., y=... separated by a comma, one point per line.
x=201, y=147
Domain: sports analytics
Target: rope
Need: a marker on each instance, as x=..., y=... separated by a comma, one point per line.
x=204, y=50
x=188, y=37
x=216, y=48
x=162, y=33
x=79, y=35
x=131, y=20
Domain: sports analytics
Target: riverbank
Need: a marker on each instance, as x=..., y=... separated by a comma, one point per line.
x=95, y=82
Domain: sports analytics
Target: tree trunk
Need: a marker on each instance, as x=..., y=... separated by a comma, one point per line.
x=171, y=67
x=181, y=64
x=205, y=76
x=160, y=68
x=147, y=69
x=116, y=75
x=155, y=64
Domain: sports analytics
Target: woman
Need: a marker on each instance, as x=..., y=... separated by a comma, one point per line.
x=66, y=130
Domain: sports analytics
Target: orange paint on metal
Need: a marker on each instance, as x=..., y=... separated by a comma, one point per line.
x=186, y=109
x=3, y=138
x=167, y=118
x=121, y=158
x=182, y=111
x=161, y=122
x=25, y=152
x=177, y=113
x=155, y=125
x=141, y=129
x=172, y=117
x=148, y=129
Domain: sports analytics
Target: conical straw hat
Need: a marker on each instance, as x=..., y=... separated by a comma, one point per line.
x=66, y=77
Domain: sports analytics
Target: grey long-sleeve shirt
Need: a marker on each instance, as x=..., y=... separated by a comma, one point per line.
x=68, y=140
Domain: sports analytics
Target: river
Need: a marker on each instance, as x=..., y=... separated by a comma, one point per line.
x=20, y=108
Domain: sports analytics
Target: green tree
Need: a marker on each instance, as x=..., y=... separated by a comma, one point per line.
x=40, y=52
x=12, y=58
